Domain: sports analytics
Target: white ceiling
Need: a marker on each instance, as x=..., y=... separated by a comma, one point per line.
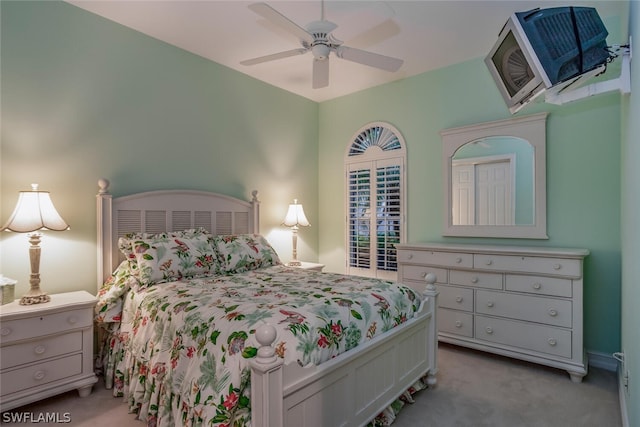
x=426, y=34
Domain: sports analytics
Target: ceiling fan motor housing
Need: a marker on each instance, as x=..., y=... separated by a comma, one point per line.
x=321, y=46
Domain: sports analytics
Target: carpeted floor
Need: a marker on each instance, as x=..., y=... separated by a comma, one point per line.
x=474, y=389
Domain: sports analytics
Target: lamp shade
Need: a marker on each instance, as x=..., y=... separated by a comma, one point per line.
x=295, y=216
x=35, y=211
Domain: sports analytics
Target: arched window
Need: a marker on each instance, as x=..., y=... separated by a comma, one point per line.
x=375, y=180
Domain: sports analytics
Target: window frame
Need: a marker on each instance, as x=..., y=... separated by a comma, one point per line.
x=374, y=146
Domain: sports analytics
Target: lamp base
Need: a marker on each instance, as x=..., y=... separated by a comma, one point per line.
x=34, y=299
x=294, y=263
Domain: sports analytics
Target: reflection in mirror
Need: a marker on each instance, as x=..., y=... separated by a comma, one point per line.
x=495, y=179
x=492, y=182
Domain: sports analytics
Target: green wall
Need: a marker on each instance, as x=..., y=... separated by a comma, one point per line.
x=583, y=183
x=631, y=232
x=84, y=98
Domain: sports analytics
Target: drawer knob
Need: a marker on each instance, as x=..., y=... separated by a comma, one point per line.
x=5, y=332
x=458, y=299
x=72, y=320
x=474, y=280
x=488, y=262
x=458, y=324
x=489, y=330
x=537, y=286
x=458, y=260
x=410, y=256
x=552, y=342
x=39, y=375
x=39, y=349
x=553, y=313
x=490, y=304
x=557, y=266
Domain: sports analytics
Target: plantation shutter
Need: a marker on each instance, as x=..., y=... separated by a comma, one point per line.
x=375, y=202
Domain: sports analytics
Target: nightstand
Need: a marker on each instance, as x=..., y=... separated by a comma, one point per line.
x=310, y=266
x=46, y=349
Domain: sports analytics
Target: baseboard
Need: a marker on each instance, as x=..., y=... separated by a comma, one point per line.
x=623, y=401
x=609, y=363
x=602, y=361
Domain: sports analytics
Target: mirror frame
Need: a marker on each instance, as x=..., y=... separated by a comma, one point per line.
x=531, y=128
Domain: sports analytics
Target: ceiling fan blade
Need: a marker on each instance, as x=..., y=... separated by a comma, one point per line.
x=371, y=59
x=279, y=19
x=274, y=56
x=320, y=73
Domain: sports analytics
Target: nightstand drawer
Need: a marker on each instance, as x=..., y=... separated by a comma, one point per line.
x=14, y=330
x=32, y=351
x=41, y=373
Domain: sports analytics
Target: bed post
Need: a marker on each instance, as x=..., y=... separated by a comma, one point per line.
x=266, y=382
x=255, y=210
x=431, y=295
x=105, y=241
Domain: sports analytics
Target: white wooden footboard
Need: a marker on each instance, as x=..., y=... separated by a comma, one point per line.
x=351, y=389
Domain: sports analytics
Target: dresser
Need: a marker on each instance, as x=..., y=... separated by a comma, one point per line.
x=46, y=349
x=521, y=302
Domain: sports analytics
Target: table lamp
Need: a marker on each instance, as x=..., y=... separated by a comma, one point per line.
x=295, y=218
x=34, y=212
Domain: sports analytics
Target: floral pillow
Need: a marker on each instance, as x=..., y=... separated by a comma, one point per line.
x=125, y=244
x=243, y=252
x=109, y=306
x=172, y=258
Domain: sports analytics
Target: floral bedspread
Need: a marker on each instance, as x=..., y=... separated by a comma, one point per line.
x=180, y=356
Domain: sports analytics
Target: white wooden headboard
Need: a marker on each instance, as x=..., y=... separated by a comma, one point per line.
x=167, y=210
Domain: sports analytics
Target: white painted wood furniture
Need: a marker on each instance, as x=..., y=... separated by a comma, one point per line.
x=522, y=302
x=348, y=390
x=46, y=349
x=311, y=266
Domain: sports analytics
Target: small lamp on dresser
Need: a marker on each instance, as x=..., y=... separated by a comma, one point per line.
x=295, y=218
x=34, y=212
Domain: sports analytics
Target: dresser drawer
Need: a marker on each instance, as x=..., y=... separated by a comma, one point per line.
x=14, y=330
x=41, y=373
x=539, y=285
x=444, y=259
x=418, y=273
x=476, y=279
x=455, y=297
x=549, y=311
x=32, y=351
x=455, y=322
x=529, y=264
x=543, y=339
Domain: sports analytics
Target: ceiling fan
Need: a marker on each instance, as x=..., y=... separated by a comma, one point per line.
x=317, y=39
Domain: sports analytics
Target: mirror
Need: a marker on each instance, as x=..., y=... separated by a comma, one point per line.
x=495, y=179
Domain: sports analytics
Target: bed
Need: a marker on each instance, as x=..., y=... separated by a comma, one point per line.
x=201, y=324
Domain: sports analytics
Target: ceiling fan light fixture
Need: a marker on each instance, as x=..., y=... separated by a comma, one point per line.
x=320, y=51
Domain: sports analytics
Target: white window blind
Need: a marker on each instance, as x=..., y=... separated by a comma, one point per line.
x=375, y=201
